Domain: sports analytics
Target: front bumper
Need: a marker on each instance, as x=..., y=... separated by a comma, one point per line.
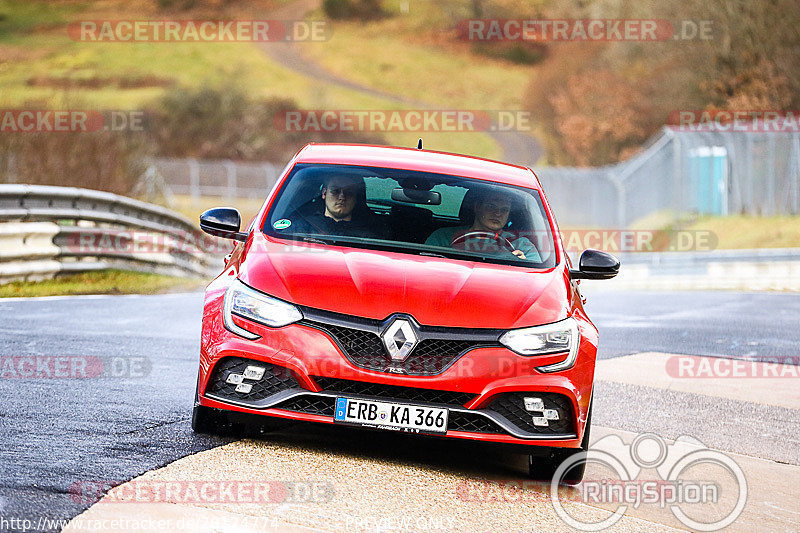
x=307, y=369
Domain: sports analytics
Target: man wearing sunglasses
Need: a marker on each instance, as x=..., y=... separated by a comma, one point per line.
x=345, y=211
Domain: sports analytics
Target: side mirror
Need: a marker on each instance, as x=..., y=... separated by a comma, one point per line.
x=223, y=222
x=595, y=264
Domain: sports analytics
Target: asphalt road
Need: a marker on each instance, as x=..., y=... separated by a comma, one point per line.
x=61, y=431
x=727, y=324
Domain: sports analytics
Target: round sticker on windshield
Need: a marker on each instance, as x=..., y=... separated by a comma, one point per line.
x=282, y=223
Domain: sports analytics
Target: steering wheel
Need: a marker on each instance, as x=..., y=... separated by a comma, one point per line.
x=502, y=241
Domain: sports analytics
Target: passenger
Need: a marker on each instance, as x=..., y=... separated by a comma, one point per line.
x=346, y=211
x=486, y=233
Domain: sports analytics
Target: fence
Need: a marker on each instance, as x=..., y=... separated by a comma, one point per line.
x=716, y=173
x=46, y=230
x=196, y=178
x=677, y=173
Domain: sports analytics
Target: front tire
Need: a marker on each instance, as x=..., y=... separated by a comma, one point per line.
x=543, y=465
x=208, y=420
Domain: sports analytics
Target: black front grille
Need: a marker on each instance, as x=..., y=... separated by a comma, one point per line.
x=431, y=356
x=275, y=379
x=473, y=423
x=363, y=348
x=307, y=403
x=511, y=406
x=394, y=392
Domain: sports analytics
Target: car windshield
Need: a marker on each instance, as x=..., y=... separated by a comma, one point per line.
x=413, y=212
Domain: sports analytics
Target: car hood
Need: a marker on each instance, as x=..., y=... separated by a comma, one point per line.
x=377, y=284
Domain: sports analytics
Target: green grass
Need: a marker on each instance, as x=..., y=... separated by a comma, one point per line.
x=187, y=64
x=105, y=282
x=35, y=61
x=192, y=209
x=406, y=56
x=746, y=232
x=23, y=16
x=735, y=232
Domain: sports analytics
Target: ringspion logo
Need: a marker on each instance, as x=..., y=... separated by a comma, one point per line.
x=689, y=479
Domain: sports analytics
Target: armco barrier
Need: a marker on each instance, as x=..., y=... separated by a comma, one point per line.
x=766, y=269
x=44, y=230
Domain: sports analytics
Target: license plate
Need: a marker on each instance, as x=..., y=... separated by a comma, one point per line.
x=391, y=416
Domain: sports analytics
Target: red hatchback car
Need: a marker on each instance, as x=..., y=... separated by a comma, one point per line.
x=402, y=290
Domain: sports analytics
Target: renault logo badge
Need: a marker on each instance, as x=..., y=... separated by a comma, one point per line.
x=399, y=339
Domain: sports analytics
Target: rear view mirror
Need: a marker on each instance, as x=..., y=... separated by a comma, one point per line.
x=416, y=196
x=595, y=264
x=223, y=222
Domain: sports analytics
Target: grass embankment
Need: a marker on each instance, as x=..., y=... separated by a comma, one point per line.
x=744, y=232
x=192, y=209
x=42, y=66
x=105, y=282
x=415, y=55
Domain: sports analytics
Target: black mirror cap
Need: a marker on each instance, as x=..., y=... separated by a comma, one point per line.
x=223, y=222
x=595, y=264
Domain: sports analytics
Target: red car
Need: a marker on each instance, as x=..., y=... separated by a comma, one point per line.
x=402, y=290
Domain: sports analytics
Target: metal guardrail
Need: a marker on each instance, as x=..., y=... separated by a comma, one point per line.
x=775, y=269
x=687, y=259
x=47, y=230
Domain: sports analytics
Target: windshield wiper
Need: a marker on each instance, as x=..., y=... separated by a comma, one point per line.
x=432, y=254
x=316, y=241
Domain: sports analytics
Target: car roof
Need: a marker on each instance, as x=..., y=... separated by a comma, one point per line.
x=421, y=160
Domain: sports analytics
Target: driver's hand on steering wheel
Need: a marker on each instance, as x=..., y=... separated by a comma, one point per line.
x=519, y=254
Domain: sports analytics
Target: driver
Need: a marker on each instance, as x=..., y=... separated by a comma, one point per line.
x=486, y=232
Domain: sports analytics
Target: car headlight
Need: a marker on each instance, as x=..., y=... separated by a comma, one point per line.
x=241, y=300
x=562, y=336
